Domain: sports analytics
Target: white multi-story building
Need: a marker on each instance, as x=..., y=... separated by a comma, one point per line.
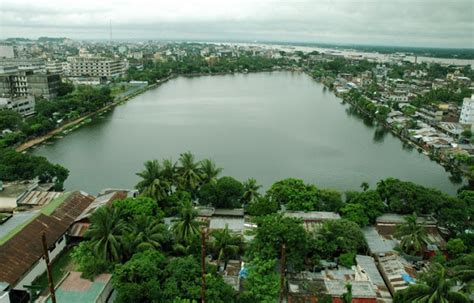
x=95, y=67
x=54, y=67
x=467, y=111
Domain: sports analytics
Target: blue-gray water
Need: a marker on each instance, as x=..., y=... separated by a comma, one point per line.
x=266, y=125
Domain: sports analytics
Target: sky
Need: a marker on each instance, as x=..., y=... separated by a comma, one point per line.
x=430, y=23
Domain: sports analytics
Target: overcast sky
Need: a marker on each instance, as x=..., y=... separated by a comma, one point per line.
x=443, y=23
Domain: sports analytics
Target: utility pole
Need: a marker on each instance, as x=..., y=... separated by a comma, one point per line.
x=48, y=268
x=282, y=272
x=203, y=265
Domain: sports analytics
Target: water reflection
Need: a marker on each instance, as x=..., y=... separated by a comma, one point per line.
x=379, y=134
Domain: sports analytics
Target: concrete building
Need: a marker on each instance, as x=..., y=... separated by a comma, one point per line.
x=44, y=85
x=54, y=67
x=24, y=84
x=95, y=67
x=22, y=105
x=467, y=111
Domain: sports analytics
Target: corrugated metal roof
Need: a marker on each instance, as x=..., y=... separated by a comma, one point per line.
x=24, y=249
x=39, y=197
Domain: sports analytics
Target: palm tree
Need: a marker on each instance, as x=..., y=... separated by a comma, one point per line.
x=365, y=186
x=169, y=172
x=434, y=287
x=209, y=171
x=151, y=172
x=148, y=233
x=225, y=245
x=106, y=231
x=250, y=190
x=186, y=227
x=189, y=174
x=412, y=236
x=157, y=190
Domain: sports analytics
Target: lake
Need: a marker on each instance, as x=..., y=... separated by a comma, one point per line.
x=264, y=125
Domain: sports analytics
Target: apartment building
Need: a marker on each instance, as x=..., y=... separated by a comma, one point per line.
x=95, y=67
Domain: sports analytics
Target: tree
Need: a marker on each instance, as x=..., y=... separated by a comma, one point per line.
x=250, y=190
x=105, y=233
x=88, y=263
x=148, y=233
x=10, y=120
x=435, y=286
x=356, y=213
x=275, y=230
x=209, y=171
x=336, y=237
x=139, y=279
x=225, y=245
x=153, y=184
x=456, y=247
x=131, y=207
x=294, y=194
x=262, y=283
x=329, y=200
x=262, y=207
x=347, y=296
x=189, y=173
x=186, y=227
x=363, y=207
x=65, y=88
x=412, y=236
x=365, y=186
x=226, y=193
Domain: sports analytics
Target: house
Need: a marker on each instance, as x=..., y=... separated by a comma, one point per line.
x=312, y=219
x=21, y=253
x=82, y=222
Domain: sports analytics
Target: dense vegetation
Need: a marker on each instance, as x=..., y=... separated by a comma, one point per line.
x=151, y=262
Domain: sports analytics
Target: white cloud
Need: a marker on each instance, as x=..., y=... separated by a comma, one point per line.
x=404, y=22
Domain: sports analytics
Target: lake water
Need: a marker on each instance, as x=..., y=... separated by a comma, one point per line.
x=266, y=125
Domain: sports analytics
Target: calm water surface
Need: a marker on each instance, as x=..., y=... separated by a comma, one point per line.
x=267, y=125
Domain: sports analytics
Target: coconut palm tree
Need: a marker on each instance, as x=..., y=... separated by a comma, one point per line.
x=225, y=245
x=412, y=236
x=434, y=287
x=157, y=190
x=148, y=233
x=209, y=171
x=250, y=190
x=186, y=227
x=106, y=231
x=169, y=172
x=151, y=172
x=189, y=173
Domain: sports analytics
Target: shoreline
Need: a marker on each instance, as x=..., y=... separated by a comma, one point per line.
x=445, y=164
x=40, y=140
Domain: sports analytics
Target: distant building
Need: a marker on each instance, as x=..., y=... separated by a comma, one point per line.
x=467, y=111
x=22, y=105
x=95, y=67
x=54, y=67
x=6, y=51
x=44, y=85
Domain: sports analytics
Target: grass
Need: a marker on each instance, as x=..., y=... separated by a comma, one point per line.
x=51, y=206
x=60, y=266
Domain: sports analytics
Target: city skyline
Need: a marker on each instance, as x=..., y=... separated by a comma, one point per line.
x=418, y=23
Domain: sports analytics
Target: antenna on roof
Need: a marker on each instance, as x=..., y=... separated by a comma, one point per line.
x=110, y=29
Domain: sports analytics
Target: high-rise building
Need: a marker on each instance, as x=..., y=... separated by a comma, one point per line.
x=22, y=105
x=23, y=84
x=467, y=111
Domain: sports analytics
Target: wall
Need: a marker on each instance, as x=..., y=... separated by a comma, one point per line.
x=40, y=267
